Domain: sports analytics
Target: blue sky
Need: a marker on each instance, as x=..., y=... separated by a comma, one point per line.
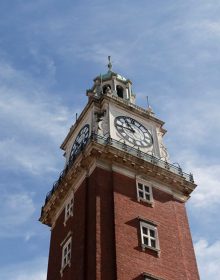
x=50, y=51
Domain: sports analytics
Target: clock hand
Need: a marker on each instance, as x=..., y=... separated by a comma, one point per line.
x=128, y=124
x=129, y=128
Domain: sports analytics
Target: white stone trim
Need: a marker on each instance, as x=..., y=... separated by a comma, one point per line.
x=132, y=174
x=65, y=239
x=148, y=276
x=92, y=168
x=66, y=253
x=123, y=171
x=72, y=190
x=103, y=165
x=69, y=205
x=151, y=239
x=142, y=194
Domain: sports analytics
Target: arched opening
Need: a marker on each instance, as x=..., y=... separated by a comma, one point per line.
x=106, y=88
x=120, y=91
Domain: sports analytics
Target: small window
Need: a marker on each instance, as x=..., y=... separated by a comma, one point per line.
x=144, y=192
x=69, y=209
x=149, y=236
x=66, y=253
x=120, y=91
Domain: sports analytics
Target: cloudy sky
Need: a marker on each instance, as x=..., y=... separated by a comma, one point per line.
x=50, y=51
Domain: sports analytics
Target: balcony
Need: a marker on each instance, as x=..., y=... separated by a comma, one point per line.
x=107, y=141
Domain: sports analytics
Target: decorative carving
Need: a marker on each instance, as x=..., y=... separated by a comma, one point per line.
x=107, y=89
x=105, y=125
x=164, y=153
x=101, y=123
x=98, y=88
x=163, y=150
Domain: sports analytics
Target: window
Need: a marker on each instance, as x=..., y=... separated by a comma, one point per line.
x=66, y=254
x=149, y=236
x=144, y=192
x=68, y=209
x=120, y=90
x=147, y=276
x=106, y=88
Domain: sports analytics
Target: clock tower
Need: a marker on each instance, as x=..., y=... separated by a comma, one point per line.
x=117, y=210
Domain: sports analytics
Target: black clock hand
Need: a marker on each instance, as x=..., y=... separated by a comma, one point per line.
x=128, y=124
x=129, y=128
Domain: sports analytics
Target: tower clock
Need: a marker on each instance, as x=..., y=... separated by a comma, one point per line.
x=117, y=210
x=80, y=141
x=133, y=131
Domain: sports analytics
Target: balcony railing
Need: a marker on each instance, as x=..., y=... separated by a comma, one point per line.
x=149, y=157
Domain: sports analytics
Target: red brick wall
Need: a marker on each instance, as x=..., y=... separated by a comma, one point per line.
x=92, y=224
x=106, y=237
x=101, y=220
x=76, y=224
x=176, y=260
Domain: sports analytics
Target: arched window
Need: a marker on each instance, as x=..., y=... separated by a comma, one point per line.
x=120, y=90
x=106, y=88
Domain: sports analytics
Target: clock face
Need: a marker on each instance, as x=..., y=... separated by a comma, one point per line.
x=133, y=131
x=80, y=141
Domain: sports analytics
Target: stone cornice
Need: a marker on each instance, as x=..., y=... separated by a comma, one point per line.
x=94, y=152
x=140, y=166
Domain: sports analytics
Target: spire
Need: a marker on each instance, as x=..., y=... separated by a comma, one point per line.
x=109, y=64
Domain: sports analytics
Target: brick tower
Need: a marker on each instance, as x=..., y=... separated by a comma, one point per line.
x=117, y=210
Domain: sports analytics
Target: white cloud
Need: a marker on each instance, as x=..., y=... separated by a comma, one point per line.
x=29, y=235
x=193, y=141
x=208, y=190
x=38, y=114
x=208, y=258
x=39, y=275
x=15, y=210
x=30, y=120
x=18, y=154
x=197, y=119
x=209, y=27
x=30, y=270
x=206, y=176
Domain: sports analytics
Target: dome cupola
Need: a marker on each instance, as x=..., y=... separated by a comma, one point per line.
x=112, y=84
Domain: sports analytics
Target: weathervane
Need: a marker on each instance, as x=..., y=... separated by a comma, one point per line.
x=109, y=63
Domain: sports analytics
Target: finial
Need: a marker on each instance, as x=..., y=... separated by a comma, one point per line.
x=148, y=105
x=149, y=109
x=109, y=63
